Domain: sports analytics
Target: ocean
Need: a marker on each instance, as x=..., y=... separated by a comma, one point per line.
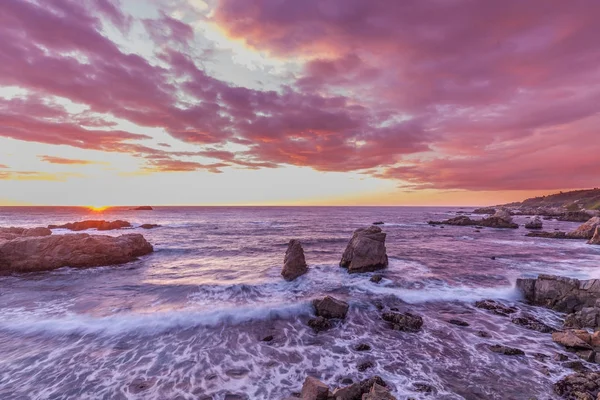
x=187, y=321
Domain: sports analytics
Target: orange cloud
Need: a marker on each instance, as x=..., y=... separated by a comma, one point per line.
x=37, y=176
x=66, y=161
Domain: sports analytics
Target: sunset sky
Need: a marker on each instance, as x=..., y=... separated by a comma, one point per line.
x=244, y=102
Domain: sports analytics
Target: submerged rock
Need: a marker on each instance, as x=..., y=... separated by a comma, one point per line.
x=376, y=278
x=405, y=322
x=532, y=323
x=314, y=389
x=320, y=324
x=535, y=223
x=458, y=322
x=330, y=307
x=587, y=230
x=294, y=263
x=495, y=307
x=378, y=223
x=596, y=238
x=581, y=386
x=100, y=225
x=366, y=251
x=507, y=351
x=43, y=253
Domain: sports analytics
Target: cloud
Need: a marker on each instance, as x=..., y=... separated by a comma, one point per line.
x=65, y=161
x=37, y=176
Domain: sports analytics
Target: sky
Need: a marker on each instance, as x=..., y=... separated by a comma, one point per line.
x=287, y=102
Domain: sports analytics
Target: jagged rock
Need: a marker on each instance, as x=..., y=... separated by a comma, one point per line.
x=294, y=263
x=406, y=322
x=320, y=324
x=596, y=238
x=579, y=386
x=314, y=389
x=330, y=307
x=378, y=392
x=575, y=366
x=357, y=390
x=366, y=251
x=586, y=317
x=43, y=253
x=532, y=323
x=575, y=216
x=535, y=223
x=507, y=351
x=13, y=232
x=495, y=307
x=560, y=293
x=423, y=388
x=587, y=230
x=100, y=225
x=571, y=340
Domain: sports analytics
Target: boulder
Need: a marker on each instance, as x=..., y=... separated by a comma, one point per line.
x=378, y=392
x=596, y=238
x=581, y=385
x=405, y=322
x=13, y=232
x=314, y=389
x=587, y=230
x=294, y=263
x=495, y=307
x=43, y=253
x=366, y=251
x=100, y=225
x=535, y=223
x=571, y=339
x=358, y=389
x=504, y=215
x=330, y=307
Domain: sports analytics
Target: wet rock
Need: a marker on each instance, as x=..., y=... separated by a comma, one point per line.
x=596, y=238
x=571, y=340
x=366, y=251
x=492, y=257
x=139, y=385
x=586, y=317
x=423, y=388
x=483, y=334
x=378, y=392
x=595, y=339
x=100, y=225
x=294, y=263
x=378, y=223
x=574, y=216
x=458, y=322
x=362, y=347
x=587, y=230
x=541, y=356
x=149, y=226
x=495, y=307
x=579, y=386
x=14, y=232
x=535, y=223
x=508, y=351
x=267, y=338
x=490, y=222
x=560, y=357
x=532, y=323
x=357, y=390
x=43, y=253
x=587, y=355
x=485, y=210
x=575, y=366
x=504, y=215
x=314, y=389
x=365, y=365
x=405, y=322
x=548, y=235
x=376, y=278
x=330, y=307
x=320, y=324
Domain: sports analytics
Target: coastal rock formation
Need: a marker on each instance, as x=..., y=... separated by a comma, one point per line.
x=503, y=214
x=314, y=389
x=330, y=307
x=359, y=389
x=294, y=263
x=495, y=307
x=143, y=208
x=490, y=222
x=100, y=225
x=149, y=226
x=13, y=232
x=549, y=235
x=405, y=322
x=532, y=323
x=560, y=293
x=366, y=251
x=507, y=351
x=575, y=216
x=373, y=388
x=596, y=238
x=587, y=230
x=43, y=253
x=573, y=339
x=580, y=386
x=535, y=223
x=485, y=210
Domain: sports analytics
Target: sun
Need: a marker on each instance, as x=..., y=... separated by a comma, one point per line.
x=97, y=208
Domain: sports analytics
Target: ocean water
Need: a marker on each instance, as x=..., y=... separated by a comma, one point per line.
x=186, y=322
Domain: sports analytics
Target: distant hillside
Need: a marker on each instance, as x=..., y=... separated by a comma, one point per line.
x=571, y=201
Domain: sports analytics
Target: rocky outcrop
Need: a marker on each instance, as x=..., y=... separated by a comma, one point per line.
x=575, y=216
x=580, y=386
x=149, y=226
x=587, y=230
x=13, y=232
x=378, y=392
x=330, y=307
x=490, y=222
x=43, y=253
x=503, y=214
x=100, y=225
x=549, y=235
x=314, y=389
x=560, y=293
x=294, y=263
x=366, y=251
x=573, y=339
x=530, y=322
x=495, y=307
x=485, y=210
x=596, y=238
x=405, y=322
x=358, y=390
x=143, y=208
x=535, y=223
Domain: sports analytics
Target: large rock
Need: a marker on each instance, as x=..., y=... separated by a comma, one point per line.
x=378, y=392
x=490, y=222
x=504, y=215
x=535, y=223
x=365, y=251
x=357, y=390
x=587, y=230
x=294, y=263
x=560, y=293
x=575, y=216
x=330, y=307
x=314, y=389
x=405, y=322
x=101, y=225
x=13, y=232
x=571, y=339
x=596, y=238
x=485, y=210
x=580, y=386
x=42, y=253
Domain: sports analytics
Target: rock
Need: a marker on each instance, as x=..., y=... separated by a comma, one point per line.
x=596, y=238
x=508, y=351
x=595, y=339
x=587, y=230
x=485, y=210
x=143, y=208
x=378, y=223
x=366, y=251
x=581, y=385
x=378, y=392
x=43, y=253
x=149, y=226
x=314, y=389
x=330, y=307
x=362, y=347
x=100, y=225
x=575, y=366
x=586, y=317
x=504, y=215
x=423, y=388
x=495, y=307
x=560, y=293
x=320, y=324
x=357, y=390
x=13, y=232
x=532, y=323
x=571, y=340
x=268, y=338
x=406, y=322
x=490, y=222
x=139, y=385
x=535, y=223
x=587, y=355
x=574, y=216
x=294, y=263
x=483, y=334
x=363, y=366
x=458, y=322
x=376, y=278
x=560, y=357
x=549, y=235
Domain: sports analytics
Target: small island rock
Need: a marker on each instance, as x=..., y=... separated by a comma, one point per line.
x=366, y=251
x=294, y=263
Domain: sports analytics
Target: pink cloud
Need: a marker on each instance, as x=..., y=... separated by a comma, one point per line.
x=65, y=161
